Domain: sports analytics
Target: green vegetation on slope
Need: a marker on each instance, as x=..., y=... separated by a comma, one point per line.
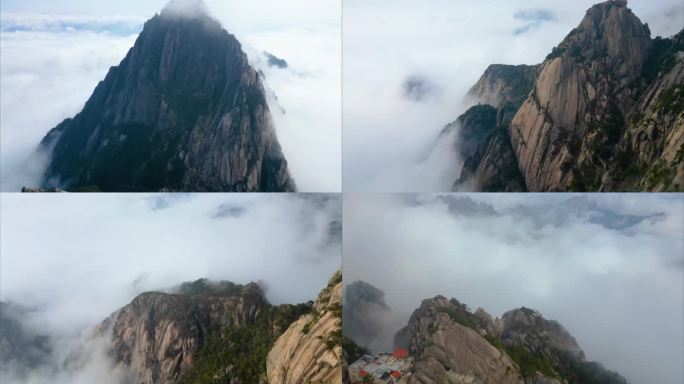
x=240, y=352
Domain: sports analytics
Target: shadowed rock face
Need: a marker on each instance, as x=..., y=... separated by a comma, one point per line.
x=183, y=111
x=450, y=344
x=504, y=84
x=365, y=314
x=602, y=112
x=527, y=328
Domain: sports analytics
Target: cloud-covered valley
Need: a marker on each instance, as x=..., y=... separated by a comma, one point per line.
x=71, y=260
x=610, y=268
x=54, y=56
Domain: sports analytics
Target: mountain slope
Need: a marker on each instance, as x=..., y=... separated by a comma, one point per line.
x=310, y=350
x=197, y=334
x=451, y=344
x=603, y=113
x=183, y=111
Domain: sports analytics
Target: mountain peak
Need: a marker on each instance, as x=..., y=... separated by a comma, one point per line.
x=186, y=9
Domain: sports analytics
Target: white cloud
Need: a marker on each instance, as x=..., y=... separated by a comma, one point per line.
x=63, y=253
x=451, y=43
x=54, y=55
x=618, y=292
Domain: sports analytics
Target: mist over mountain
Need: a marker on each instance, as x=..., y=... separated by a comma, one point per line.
x=449, y=343
x=183, y=111
x=603, y=112
x=600, y=265
x=205, y=330
x=579, y=207
x=366, y=315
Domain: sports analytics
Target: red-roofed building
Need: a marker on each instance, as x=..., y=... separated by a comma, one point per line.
x=400, y=353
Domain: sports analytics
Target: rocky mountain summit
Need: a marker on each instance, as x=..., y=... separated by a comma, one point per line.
x=197, y=334
x=183, y=111
x=603, y=112
x=451, y=344
x=310, y=350
x=221, y=332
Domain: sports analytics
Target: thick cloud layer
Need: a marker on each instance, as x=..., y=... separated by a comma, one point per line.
x=75, y=259
x=54, y=54
x=610, y=268
x=450, y=44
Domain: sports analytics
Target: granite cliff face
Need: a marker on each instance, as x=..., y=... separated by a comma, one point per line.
x=221, y=332
x=445, y=350
x=183, y=111
x=310, y=350
x=603, y=112
x=203, y=332
x=451, y=344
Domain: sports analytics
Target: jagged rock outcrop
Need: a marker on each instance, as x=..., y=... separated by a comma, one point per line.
x=158, y=335
x=204, y=331
x=603, y=113
x=450, y=344
x=527, y=328
x=446, y=350
x=310, y=350
x=183, y=111
x=483, y=142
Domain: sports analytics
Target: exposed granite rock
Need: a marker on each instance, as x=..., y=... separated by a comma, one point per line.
x=527, y=328
x=489, y=161
x=158, y=336
x=450, y=344
x=445, y=350
x=581, y=87
x=604, y=113
x=183, y=111
x=310, y=350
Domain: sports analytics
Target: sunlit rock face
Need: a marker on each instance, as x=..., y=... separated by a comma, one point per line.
x=603, y=112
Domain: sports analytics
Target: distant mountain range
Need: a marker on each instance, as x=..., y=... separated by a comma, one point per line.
x=581, y=208
x=603, y=112
x=183, y=111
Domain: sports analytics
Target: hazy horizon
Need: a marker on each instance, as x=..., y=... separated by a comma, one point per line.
x=612, y=274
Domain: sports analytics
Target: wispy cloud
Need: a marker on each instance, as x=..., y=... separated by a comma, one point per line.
x=534, y=18
x=591, y=264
